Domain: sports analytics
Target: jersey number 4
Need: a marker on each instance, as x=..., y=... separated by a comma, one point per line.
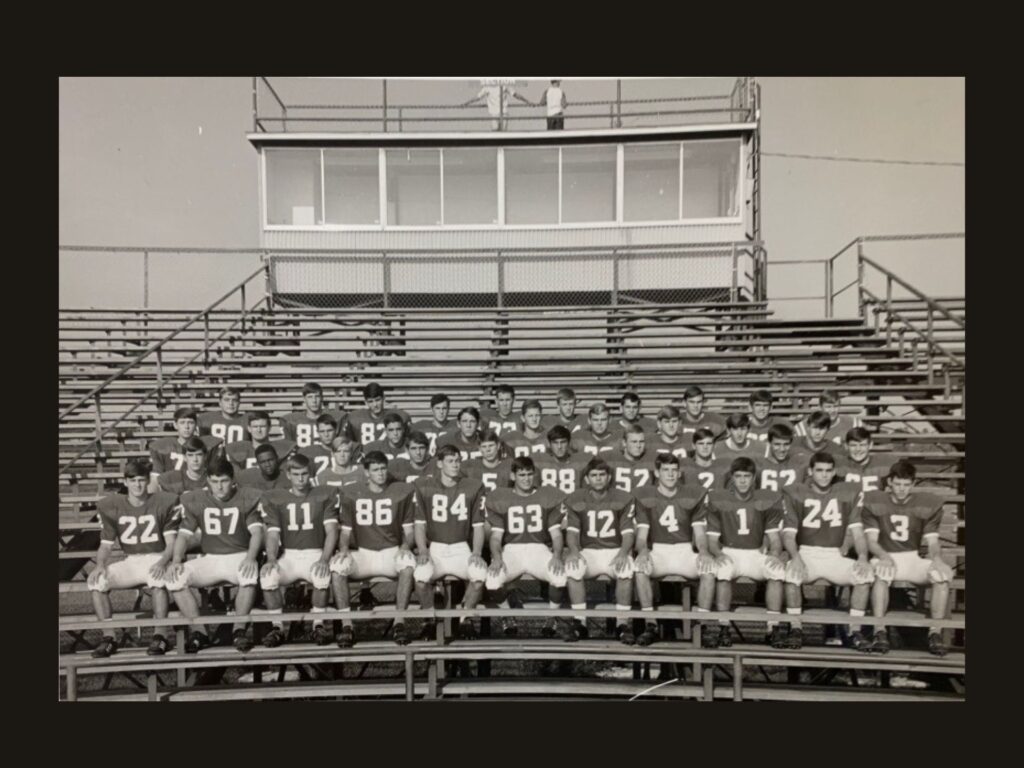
x=830, y=515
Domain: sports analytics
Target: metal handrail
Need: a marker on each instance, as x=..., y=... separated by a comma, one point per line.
x=953, y=358
x=932, y=304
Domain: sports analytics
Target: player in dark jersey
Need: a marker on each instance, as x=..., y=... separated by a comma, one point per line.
x=300, y=427
x=631, y=415
x=694, y=416
x=190, y=477
x=504, y=419
x=670, y=522
x=566, y=415
x=168, y=453
x=232, y=536
x=449, y=533
x=817, y=426
x=600, y=530
x=634, y=467
x=267, y=473
x=526, y=536
x=839, y=424
x=228, y=425
x=395, y=444
x=817, y=517
x=490, y=468
x=761, y=418
x=558, y=468
x=145, y=525
x=439, y=424
x=321, y=451
x=377, y=519
x=345, y=468
x=304, y=521
x=418, y=464
x=738, y=521
x=738, y=443
x=466, y=439
x=531, y=438
x=897, y=522
x=596, y=438
x=781, y=468
x=701, y=467
x=668, y=438
x=860, y=464
x=369, y=423
x=242, y=453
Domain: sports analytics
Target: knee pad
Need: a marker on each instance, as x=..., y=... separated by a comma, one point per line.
x=577, y=570
x=272, y=579
x=424, y=573
x=342, y=566
x=404, y=559
x=496, y=582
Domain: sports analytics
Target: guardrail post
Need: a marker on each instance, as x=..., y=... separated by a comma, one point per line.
x=255, y=107
x=611, y=115
x=243, y=309
x=145, y=279
x=206, y=340
x=501, y=107
x=501, y=281
x=386, y=268
x=888, y=307
x=735, y=277
x=615, y=277
x=618, y=103
x=829, y=287
x=384, y=83
x=99, y=433
x=400, y=126
x=928, y=340
x=159, y=378
x=860, y=279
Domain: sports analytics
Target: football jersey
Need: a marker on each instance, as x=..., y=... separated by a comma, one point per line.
x=759, y=431
x=630, y=474
x=710, y=477
x=902, y=527
x=167, y=453
x=518, y=444
x=647, y=424
x=565, y=475
x=524, y=519
x=491, y=419
x=712, y=421
x=450, y=514
x=676, y=447
x=389, y=450
x=301, y=429
x=871, y=475
x=226, y=525
x=228, y=429
x=301, y=521
x=820, y=518
x=243, y=453
x=600, y=522
x=338, y=478
x=178, y=481
x=837, y=432
x=434, y=432
x=470, y=449
x=775, y=475
x=803, y=446
x=742, y=523
x=376, y=518
x=727, y=450
x=140, y=530
x=404, y=471
x=575, y=424
x=670, y=519
x=499, y=476
x=370, y=428
x=253, y=478
x=586, y=441
x=320, y=455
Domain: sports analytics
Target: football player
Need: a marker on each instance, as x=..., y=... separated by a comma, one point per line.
x=631, y=415
x=466, y=439
x=228, y=425
x=145, y=525
x=596, y=438
x=532, y=437
x=839, y=424
x=816, y=426
x=761, y=418
x=300, y=427
x=738, y=443
x=192, y=476
x=369, y=423
x=489, y=468
x=242, y=453
x=345, y=468
x=860, y=464
x=395, y=443
x=558, y=468
x=701, y=467
x=168, y=453
x=321, y=451
x=781, y=467
x=634, y=467
x=418, y=463
x=695, y=417
x=668, y=438
x=503, y=420
x=267, y=473
x=439, y=424
x=566, y=415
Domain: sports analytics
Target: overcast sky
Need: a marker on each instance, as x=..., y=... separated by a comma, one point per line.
x=165, y=162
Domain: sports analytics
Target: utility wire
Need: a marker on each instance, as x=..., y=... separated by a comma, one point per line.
x=861, y=159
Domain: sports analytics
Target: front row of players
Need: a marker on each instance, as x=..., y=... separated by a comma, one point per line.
x=419, y=533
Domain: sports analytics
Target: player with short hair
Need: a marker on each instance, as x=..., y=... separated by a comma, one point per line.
x=670, y=522
x=631, y=415
x=503, y=420
x=168, y=453
x=145, y=525
x=449, y=534
x=600, y=527
x=897, y=522
x=566, y=415
x=467, y=438
x=439, y=424
x=738, y=520
x=267, y=474
x=739, y=443
x=232, y=535
x=817, y=516
x=321, y=451
x=345, y=468
x=814, y=439
x=242, y=453
x=761, y=418
x=489, y=467
x=781, y=467
x=228, y=424
x=634, y=466
x=668, y=438
x=558, y=468
x=369, y=423
x=694, y=416
x=304, y=521
x=702, y=467
x=192, y=475
x=395, y=444
x=377, y=519
x=829, y=401
x=300, y=427
x=860, y=464
x=417, y=464
x=532, y=437
x=596, y=438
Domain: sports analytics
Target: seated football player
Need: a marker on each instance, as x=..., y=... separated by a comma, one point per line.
x=816, y=427
x=489, y=467
x=192, y=476
x=634, y=467
x=897, y=522
x=600, y=531
x=302, y=520
x=345, y=468
x=439, y=424
x=377, y=519
x=781, y=467
x=761, y=418
x=227, y=424
x=631, y=415
x=300, y=427
x=817, y=516
x=466, y=439
x=145, y=525
x=839, y=423
x=168, y=453
x=368, y=423
x=668, y=438
x=449, y=535
x=242, y=453
x=738, y=443
x=670, y=522
x=228, y=517
x=558, y=468
x=504, y=419
x=418, y=463
x=526, y=537
x=702, y=467
x=321, y=451
x=267, y=473
x=395, y=443
x=596, y=438
x=695, y=417
x=566, y=415
x=738, y=520
x=531, y=438
x=860, y=464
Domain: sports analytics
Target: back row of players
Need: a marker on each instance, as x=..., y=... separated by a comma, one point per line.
x=561, y=509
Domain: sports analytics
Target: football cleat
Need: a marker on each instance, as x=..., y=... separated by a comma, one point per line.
x=724, y=637
x=467, y=630
x=274, y=637
x=320, y=635
x=880, y=643
x=859, y=642
x=709, y=636
x=549, y=629
x=196, y=642
x=648, y=636
x=399, y=635
x=346, y=637
x=158, y=646
x=509, y=627
x=935, y=645
x=574, y=631
x=795, y=640
x=429, y=631
x=241, y=640
x=625, y=635
x=779, y=636
x=107, y=647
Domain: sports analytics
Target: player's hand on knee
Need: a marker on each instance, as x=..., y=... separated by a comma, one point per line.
x=863, y=571
x=556, y=566
x=320, y=570
x=341, y=563
x=268, y=570
x=497, y=566
x=96, y=577
x=796, y=571
x=705, y=564
x=940, y=571
x=423, y=558
x=885, y=568
x=249, y=569
x=643, y=563
x=156, y=573
x=477, y=562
